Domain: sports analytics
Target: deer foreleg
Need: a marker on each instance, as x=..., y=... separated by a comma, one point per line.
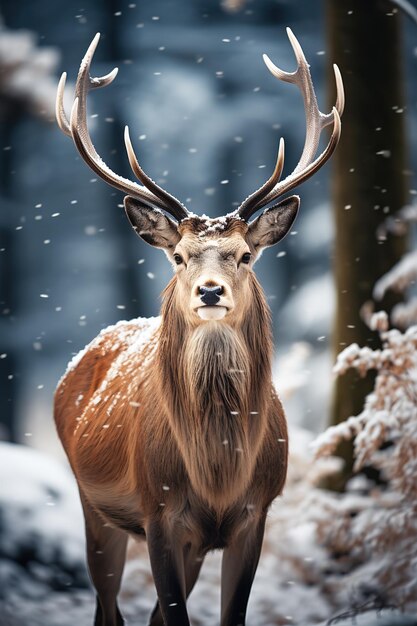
x=168, y=569
x=239, y=564
x=193, y=561
x=106, y=553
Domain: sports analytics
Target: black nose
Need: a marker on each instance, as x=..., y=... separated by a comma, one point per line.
x=210, y=295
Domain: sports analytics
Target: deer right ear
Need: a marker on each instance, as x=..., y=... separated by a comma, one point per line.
x=273, y=224
x=151, y=225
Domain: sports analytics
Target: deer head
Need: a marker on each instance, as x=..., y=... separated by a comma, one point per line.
x=212, y=258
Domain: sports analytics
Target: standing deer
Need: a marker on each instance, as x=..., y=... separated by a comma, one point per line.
x=172, y=426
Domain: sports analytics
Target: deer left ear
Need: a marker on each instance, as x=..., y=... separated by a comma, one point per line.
x=151, y=225
x=273, y=224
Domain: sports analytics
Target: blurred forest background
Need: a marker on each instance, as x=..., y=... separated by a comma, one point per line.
x=205, y=117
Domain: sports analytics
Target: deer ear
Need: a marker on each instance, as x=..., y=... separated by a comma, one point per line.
x=151, y=225
x=273, y=224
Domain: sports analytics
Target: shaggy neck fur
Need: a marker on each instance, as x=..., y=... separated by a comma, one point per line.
x=218, y=382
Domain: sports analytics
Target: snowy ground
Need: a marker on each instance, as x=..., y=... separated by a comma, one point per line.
x=41, y=524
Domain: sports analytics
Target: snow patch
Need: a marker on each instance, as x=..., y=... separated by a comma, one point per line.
x=40, y=514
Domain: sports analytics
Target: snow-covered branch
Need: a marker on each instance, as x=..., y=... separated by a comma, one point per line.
x=401, y=276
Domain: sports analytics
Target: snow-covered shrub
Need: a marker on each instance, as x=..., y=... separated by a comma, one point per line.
x=377, y=523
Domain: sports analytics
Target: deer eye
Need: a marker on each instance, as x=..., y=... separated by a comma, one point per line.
x=246, y=258
x=178, y=259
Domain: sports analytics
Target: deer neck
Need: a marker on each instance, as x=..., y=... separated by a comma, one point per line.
x=219, y=387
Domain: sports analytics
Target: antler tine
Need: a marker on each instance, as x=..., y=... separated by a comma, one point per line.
x=61, y=117
x=298, y=177
x=315, y=122
x=340, y=98
x=340, y=92
x=94, y=83
x=76, y=127
x=101, y=169
x=294, y=180
x=245, y=209
x=180, y=210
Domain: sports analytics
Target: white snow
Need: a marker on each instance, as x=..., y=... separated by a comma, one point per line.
x=39, y=508
x=136, y=333
x=404, y=314
x=399, y=277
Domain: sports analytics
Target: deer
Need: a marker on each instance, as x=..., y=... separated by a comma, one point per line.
x=171, y=425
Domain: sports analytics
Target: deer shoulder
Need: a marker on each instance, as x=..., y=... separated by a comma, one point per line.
x=98, y=377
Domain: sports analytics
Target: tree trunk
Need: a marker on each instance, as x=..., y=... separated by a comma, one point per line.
x=369, y=179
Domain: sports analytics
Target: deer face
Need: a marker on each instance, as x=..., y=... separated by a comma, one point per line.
x=212, y=261
x=212, y=258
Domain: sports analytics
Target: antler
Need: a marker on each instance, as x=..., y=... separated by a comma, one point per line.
x=315, y=122
x=76, y=127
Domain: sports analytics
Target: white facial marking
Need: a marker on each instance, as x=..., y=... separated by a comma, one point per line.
x=209, y=313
